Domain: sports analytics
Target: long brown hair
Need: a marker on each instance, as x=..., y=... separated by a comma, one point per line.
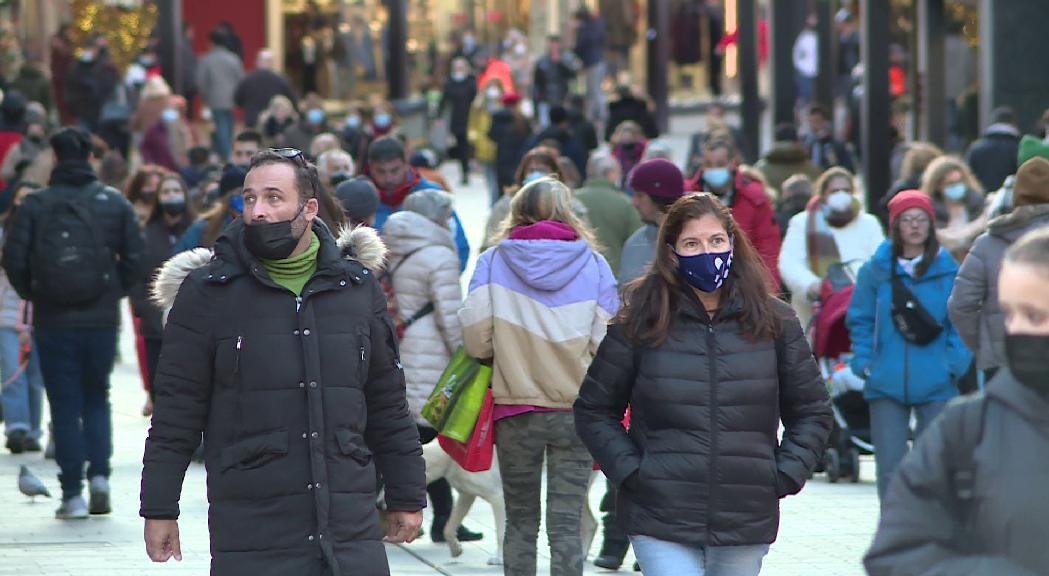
x=650, y=302
x=189, y=216
x=542, y=154
x=929, y=254
x=141, y=177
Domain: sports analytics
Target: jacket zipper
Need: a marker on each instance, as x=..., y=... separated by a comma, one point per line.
x=360, y=367
x=236, y=354
x=713, y=429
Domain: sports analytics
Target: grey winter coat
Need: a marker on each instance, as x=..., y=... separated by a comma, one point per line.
x=921, y=526
x=425, y=269
x=973, y=305
x=218, y=74
x=300, y=401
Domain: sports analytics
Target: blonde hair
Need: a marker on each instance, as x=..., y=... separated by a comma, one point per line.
x=282, y=101
x=932, y=178
x=833, y=173
x=918, y=157
x=544, y=199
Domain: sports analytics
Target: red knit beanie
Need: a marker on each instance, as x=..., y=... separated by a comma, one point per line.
x=908, y=199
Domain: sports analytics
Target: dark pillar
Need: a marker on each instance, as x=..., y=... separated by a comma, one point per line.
x=397, y=36
x=784, y=30
x=747, y=21
x=169, y=23
x=876, y=104
x=658, y=37
x=828, y=71
x=1012, y=66
x=933, y=79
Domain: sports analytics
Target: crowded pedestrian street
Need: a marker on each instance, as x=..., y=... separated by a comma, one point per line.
x=523, y=287
x=824, y=530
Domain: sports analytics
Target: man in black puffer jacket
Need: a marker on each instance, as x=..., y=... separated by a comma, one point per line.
x=74, y=250
x=281, y=352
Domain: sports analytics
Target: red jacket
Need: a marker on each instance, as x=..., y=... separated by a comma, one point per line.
x=755, y=215
x=8, y=140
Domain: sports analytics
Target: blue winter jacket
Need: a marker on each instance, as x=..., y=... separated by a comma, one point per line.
x=461, y=243
x=899, y=370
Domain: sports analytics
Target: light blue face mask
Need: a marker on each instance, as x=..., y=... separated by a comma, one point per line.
x=717, y=177
x=353, y=121
x=315, y=116
x=533, y=176
x=955, y=192
x=383, y=120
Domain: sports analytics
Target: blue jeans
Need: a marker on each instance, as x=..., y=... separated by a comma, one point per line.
x=662, y=558
x=223, y=138
x=76, y=364
x=890, y=430
x=22, y=397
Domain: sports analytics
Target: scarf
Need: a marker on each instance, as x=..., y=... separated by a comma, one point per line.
x=394, y=198
x=293, y=273
x=820, y=243
x=544, y=230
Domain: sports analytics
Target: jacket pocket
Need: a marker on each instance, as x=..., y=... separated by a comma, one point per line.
x=255, y=451
x=352, y=444
x=228, y=353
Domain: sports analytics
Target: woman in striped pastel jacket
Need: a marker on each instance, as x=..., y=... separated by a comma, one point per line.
x=538, y=308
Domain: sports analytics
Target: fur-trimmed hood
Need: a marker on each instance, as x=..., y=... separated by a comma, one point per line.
x=361, y=244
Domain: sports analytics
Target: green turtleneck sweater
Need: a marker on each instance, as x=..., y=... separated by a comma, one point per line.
x=293, y=273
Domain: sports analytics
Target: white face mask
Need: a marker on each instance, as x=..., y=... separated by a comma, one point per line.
x=493, y=93
x=520, y=49
x=840, y=200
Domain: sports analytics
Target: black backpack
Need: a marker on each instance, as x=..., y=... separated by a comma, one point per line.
x=964, y=433
x=70, y=263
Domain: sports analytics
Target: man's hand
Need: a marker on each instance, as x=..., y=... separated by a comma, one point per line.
x=403, y=526
x=162, y=540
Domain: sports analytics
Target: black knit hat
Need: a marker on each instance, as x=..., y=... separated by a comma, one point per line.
x=358, y=197
x=71, y=144
x=232, y=178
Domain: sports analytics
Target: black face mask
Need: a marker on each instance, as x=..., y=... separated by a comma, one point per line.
x=1026, y=356
x=173, y=208
x=340, y=177
x=272, y=240
x=146, y=196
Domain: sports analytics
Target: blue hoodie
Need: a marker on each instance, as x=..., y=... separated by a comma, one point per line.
x=899, y=370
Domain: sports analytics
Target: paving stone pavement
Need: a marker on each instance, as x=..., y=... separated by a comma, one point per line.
x=824, y=530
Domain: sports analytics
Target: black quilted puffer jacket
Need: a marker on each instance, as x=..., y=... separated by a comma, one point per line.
x=702, y=463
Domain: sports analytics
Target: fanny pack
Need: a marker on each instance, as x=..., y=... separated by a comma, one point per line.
x=911, y=318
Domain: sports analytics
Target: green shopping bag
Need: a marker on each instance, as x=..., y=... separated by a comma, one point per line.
x=456, y=400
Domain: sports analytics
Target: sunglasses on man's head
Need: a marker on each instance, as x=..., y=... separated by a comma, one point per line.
x=291, y=154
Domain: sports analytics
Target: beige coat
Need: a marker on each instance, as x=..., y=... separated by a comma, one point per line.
x=429, y=275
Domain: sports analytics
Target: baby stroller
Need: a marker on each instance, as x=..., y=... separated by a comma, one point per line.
x=850, y=436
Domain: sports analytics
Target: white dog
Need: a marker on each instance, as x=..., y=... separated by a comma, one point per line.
x=487, y=485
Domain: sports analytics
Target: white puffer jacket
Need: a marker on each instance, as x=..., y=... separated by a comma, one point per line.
x=429, y=274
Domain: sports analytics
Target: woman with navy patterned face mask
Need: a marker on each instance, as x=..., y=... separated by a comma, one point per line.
x=710, y=363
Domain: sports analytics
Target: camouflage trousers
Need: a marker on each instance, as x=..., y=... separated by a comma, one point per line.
x=522, y=442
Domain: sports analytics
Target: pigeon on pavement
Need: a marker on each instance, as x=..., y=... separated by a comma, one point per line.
x=30, y=485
